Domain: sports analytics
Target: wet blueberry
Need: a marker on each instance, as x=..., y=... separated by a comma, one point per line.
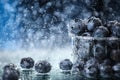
x=113, y=43
x=115, y=55
x=27, y=63
x=92, y=62
x=9, y=66
x=101, y=32
x=110, y=24
x=78, y=66
x=10, y=72
x=99, y=51
x=116, y=69
x=116, y=30
x=93, y=23
x=106, y=71
x=66, y=64
x=107, y=62
x=91, y=68
x=77, y=28
x=43, y=66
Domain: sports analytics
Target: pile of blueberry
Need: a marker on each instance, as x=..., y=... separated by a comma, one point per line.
x=103, y=47
x=93, y=27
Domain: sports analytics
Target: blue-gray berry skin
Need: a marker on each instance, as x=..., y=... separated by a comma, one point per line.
x=77, y=27
x=99, y=51
x=43, y=66
x=78, y=66
x=27, y=63
x=10, y=72
x=91, y=68
x=116, y=30
x=115, y=55
x=101, y=32
x=116, y=69
x=93, y=23
x=66, y=64
x=113, y=44
x=106, y=70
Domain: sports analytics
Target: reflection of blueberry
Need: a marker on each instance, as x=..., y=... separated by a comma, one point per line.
x=27, y=63
x=93, y=23
x=86, y=34
x=99, y=51
x=116, y=30
x=91, y=68
x=101, y=32
x=10, y=72
x=115, y=55
x=66, y=64
x=43, y=66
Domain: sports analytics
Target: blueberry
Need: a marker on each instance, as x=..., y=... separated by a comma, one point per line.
x=110, y=24
x=116, y=30
x=116, y=69
x=93, y=23
x=107, y=62
x=101, y=32
x=86, y=34
x=92, y=62
x=27, y=63
x=43, y=66
x=91, y=72
x=115, y=55
x=106, y=71
x=113, y=44
x=78, y=66
x=9, y=66
x=77, y=27
x=66, y=64
x=10, y=72
x=99, y=51
x=91, y=68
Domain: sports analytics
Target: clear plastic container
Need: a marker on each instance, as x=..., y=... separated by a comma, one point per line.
x=85, y=47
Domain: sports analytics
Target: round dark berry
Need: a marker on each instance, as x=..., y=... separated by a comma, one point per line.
x=93, y=23
x=113, y=43
x=99, y=51
x=116, y=69
x=115, y=55
x=10, y=72
x=66, y=64
x=116, y=30
x=77, y=28
x=101, y=32
x=78, y=66
x=91, y=68
x=43, y=66
x=27, y=63
x=106, y=71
